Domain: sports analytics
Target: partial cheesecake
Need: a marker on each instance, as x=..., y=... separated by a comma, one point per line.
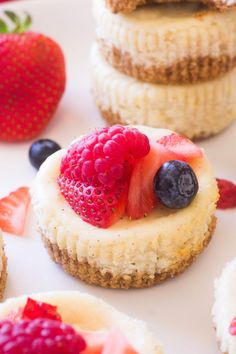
x=98, y=324
x=3, y=268
x=224, y=310
x=169, y=43
x=197, y=111
x=116, y=233
x=127, y=6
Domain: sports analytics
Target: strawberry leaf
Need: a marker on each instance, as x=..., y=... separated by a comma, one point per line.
x=14, y=19
x=20, y=26
x=27, y=23
x=3, y=27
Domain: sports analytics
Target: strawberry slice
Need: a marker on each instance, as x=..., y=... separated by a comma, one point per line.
x=13, y=210
x=141, y=198
x=117, y=343
x=95, y=342
x=37, y=309
x=183, y=148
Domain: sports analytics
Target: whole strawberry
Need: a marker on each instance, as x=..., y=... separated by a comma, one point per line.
x=32, y=80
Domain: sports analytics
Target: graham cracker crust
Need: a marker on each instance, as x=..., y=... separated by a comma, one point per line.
x=93, y=275
x=187, y=71
x=3, y=278
x=127, y=6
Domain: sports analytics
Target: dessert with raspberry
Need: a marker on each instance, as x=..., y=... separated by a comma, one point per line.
x=126, y=206
x=70, y=323
x=224, y=309
x=3, y=267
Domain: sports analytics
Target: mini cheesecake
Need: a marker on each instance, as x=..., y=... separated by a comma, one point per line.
x=3, y=268
x=88, y=315
x=224, y=310
x=169, y=43
x=127, y=6
x=131, y=252
x=197, y=111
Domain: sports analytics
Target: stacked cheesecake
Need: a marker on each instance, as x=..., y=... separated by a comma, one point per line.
x=166, y=65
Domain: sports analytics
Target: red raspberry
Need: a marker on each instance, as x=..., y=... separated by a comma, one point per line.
x=96, y=170
x=39, y=336
x=103, y=156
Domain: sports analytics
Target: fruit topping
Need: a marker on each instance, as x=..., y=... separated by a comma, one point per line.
x=141, y=197
x=95, y=341
x=13, y=211
x=40, y=150
x=98, y=205
x=232, y=327
x=183, y=148
x=117, y=343
x=175, y=184
x=39, y=336
x=105, y=155
x=35, y=309
x=96, y=170
x=32, y=76
x=227, y=192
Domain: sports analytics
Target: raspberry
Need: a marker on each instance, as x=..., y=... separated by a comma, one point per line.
x=227, y=191
x=104, y=156
x=39, y=336
x=98, y=205
x=96, y=170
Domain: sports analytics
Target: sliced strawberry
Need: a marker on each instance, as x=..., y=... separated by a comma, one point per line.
x=141, y=198
x=13, y=211
x=98, y=205
x=37, y=309
x=95, y=342
x=183, y=148
x=117, y=343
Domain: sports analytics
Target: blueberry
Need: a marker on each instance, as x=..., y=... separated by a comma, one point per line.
x=175, y=184
x=40, y=150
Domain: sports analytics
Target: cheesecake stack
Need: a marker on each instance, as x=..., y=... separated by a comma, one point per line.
x=168, y=65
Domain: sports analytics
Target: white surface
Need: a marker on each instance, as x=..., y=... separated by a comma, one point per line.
x=178, y=311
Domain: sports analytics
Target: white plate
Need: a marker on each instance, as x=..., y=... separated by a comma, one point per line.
x=178, y=311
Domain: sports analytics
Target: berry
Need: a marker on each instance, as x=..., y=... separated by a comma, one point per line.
x=39, y=336
x=105, y=155
x=13, y=211
x=95, y=173
x=183, y=148
x=227, y=192
x=32, y=76
x=117, y=343
x=141, y=197
x=100, y=206
x=37, y=309
x=232, y=328
x=95, y=342
x=40, y=150
x=175, y=184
